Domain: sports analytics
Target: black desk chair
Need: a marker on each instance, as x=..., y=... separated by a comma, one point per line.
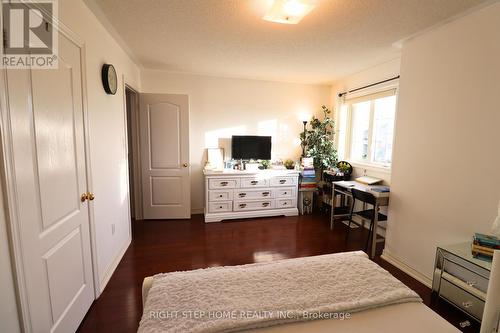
x=368, y=214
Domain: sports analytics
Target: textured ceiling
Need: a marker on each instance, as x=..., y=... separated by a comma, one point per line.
x=229, y=38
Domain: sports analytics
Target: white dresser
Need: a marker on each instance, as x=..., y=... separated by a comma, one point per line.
x=244, y=194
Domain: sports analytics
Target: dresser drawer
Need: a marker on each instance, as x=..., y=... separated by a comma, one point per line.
x=222, y=195
x=219, y=207
x=253, y=205
x=285, y=203
x=253, y=194
x=461, y=298
x=465, y=271
x=215, y=184
x=253, y=182
x=283, y=181
x=287, y=192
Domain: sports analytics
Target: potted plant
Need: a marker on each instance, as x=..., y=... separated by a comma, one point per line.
x=318, y=141
x=265, y=164
x=289, y=164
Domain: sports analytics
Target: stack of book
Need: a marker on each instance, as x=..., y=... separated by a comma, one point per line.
x=484, y=245
x=307, y=174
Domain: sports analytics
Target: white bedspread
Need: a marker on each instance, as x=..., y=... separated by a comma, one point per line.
x=233, y=298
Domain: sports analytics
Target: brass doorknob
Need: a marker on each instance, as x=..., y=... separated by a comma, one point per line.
x=90, y=196
x=84, y=197
x=185, y=165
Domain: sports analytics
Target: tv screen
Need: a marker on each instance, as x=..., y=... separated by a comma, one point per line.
x=247, y=147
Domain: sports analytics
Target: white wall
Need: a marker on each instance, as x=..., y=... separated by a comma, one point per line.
x=107, y=134
x=9, y=320
x=371, y=75
x=445, y=173
x=221, y=107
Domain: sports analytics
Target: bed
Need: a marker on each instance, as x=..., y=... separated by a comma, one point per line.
x=354, y=285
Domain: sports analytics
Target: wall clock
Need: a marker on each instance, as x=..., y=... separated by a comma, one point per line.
x=109, y=81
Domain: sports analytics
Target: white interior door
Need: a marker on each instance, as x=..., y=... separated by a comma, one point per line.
x=164, y=127
x=48, y=162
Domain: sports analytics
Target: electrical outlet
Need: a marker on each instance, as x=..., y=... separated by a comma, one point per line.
x=112, y=228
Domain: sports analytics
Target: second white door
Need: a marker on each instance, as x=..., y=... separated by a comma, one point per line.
x=165, y=172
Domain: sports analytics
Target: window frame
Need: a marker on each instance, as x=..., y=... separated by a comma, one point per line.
x=371, y=95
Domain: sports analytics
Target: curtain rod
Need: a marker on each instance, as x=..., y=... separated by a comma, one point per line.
x=368, y=86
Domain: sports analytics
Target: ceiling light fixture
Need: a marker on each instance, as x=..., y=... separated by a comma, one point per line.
x=289, y=11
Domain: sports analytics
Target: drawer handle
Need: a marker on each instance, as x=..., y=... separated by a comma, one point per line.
x=282, y=181
x=265, y=204
x=241, y=195
x=285, y=203
x=471, y=283
x=285, y=193
x=223, y=183
x=220, y=207
x=254, y=182
x=265, y=194
x=243, y=205
x=467, y=305
x=220, y=195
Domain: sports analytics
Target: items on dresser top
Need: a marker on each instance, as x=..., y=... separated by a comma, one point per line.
x=215, y=159
x=484, y=245
x=245, y=194
x=461, y=279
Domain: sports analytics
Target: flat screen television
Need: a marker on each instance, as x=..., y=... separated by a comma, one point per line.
x=251, y=147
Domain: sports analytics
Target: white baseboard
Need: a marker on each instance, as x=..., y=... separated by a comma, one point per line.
x=197, y=211
x=397, y=262
x=107, y=276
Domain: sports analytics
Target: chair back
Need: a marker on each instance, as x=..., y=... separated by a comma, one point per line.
x=363, y=196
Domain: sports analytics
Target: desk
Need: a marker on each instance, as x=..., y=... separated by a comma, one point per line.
x=344, y=188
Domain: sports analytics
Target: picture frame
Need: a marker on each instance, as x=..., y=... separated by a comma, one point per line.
x=215, y=157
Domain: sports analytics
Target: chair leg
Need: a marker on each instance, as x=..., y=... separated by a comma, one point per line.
x=370, y=235
x=350, y=220
x=348, y=228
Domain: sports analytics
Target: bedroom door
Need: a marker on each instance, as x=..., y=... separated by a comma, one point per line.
x=164, y=136
x=45, y=126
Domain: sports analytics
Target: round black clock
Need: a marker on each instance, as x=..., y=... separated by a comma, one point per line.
x=109, y=81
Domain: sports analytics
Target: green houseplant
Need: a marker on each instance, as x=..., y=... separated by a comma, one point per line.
x=318, y=141
x=265, y=164
x=289, y=164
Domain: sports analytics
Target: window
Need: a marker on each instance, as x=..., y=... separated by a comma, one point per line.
x=366, y=128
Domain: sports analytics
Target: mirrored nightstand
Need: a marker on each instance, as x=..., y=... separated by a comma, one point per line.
x=461, y=279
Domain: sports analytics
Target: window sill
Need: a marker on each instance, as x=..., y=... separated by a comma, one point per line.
x=371, y=167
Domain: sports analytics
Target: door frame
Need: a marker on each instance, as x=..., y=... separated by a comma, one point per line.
x=136, y=148
x=7, y=177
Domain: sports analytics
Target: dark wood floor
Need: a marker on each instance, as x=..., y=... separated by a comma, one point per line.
x=174, y=245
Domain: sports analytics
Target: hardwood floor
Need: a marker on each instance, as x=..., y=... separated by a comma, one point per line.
x=174, y=245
